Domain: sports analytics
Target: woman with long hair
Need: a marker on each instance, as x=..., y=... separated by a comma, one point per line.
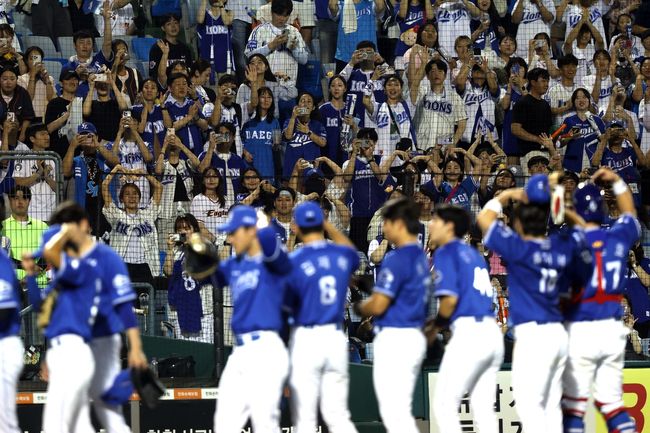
x=333, y=117
x=258, y=134
x=127, y=79
x=148, y=112
x=37, y=81
x=580, y=131
x=209, y=206
x=258, y=74
x=304, y=134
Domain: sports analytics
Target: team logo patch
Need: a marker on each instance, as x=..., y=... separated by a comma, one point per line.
x=122, y=284
x=385, y=278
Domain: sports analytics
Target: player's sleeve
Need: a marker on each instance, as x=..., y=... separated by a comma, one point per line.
x=120, y=284
x=504, y=241
x=446, y=277
x=275, y=254
x=389, y=278
x=8, y=286
x=627, y=229
x=353, y=257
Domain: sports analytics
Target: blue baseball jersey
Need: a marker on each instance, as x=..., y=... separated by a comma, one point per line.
x=79, y=284
x=638, y=293
x=601, y=297
x=576, y=148
x=301, y=146
x=258, y=289
x=405, y=278
x=461, y=272
x=189, y=134
x=333, y=122
x=414, y=18
x=367, y=192
x=116, y=289
x=154, y=125
x=93, y=66
x=257, y=138
x=357, y=84
x=9, y=297
x=319, y=283
x=215, y=42
x=538, y=271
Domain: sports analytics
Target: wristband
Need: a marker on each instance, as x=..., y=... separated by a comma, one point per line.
x=441, y=322
x=494, y=205
x=619, y=187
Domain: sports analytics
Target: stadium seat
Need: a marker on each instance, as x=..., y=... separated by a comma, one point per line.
x=66, y=46
x=22, y=23
x=45, y=43
x=140, y=47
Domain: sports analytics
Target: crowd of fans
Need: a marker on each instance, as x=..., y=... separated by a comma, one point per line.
x=450, y=101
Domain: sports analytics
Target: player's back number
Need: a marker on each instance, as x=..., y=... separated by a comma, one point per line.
x=327, y=287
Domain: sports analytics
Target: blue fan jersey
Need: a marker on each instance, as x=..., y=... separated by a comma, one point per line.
x=79, y=284
x=116, y=289
x=461, y=272
x=258, y=289
x=405, y=278
x=609, y=248
x=9, y=297
x=319, y=282
x=538, y=272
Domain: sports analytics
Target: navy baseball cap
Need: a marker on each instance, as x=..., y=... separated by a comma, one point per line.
x=47, y=235
x=589, y=203
x=239, y=216
x=86, y=128
x=121, y=389
x=538, y=190
x=615, y=124
x=308, y=214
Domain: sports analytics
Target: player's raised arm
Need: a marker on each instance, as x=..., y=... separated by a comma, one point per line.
x=336, y=236
x=624, y=199
x=494, y=207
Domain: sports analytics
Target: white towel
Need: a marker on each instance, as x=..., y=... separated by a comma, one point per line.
x=75, y=119
x=349, y=17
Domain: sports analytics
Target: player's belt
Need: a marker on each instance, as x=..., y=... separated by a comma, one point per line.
x=338, y=326
x=64, y=339
x=249, y=337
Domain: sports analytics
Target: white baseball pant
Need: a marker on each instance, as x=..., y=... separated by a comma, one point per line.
x=538, y=361
x=70, y=365
x=106, y=353
x=598, y=361
x=251, y=384
x=398, y=357
x=470, y=364
x=11, y=364
x=319, y=368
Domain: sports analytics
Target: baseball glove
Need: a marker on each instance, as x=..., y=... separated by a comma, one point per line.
x=201, y=257
x=148, y=387
x=45, y=313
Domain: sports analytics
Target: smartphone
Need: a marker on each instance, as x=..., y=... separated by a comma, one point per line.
x=171, y=131
x=285, y=32
x=539, y=43
x=126, y=113
x=179, y=238
x=36, y=59
x=303, y=111
x=4, y=41
x=477, y=56
x=515, y=69
x=101, y=78
x=11, y=116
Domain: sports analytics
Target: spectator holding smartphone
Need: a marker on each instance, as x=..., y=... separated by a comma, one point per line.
x=167, y=50
x=304, y=134
x=532, y=17
x=517, y=88
x=220, y=155
x=148, y=113
x=16, y=102
x=37, y=81
x=334, y=117
x=58, y=111
x=259, y=133
x=176, y=177
x=210, y=206
x=106, y=110
x=87, y=170
x=226, y=110
x=602, y=81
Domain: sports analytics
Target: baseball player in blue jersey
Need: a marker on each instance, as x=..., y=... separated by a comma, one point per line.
x=115, y=315
x=11, y=346
x=540, y=267
x=73, y=296
x=251, y=384
x=399, y=303
x=318, y=347
x=597, y=336
x=463, y=288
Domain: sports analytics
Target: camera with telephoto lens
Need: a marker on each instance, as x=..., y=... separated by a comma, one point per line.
x=178, y=238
